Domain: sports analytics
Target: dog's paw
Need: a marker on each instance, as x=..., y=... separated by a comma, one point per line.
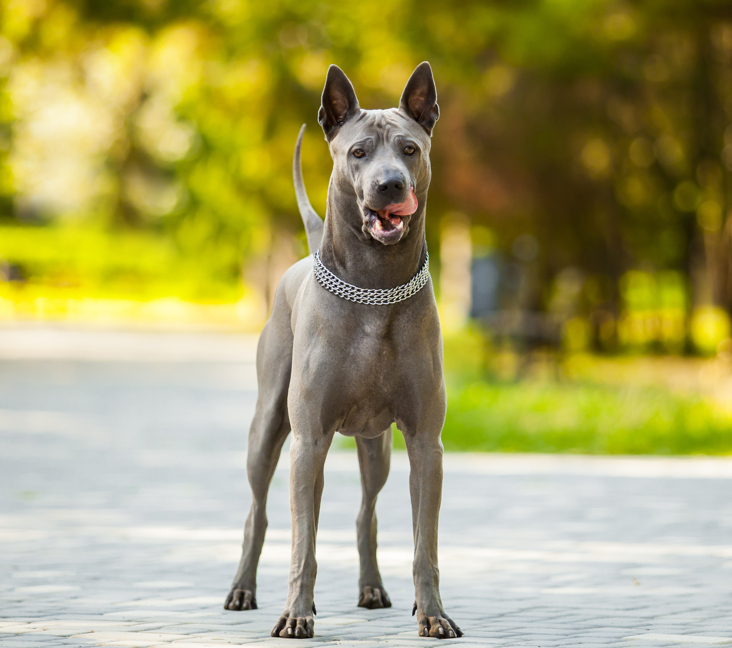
x=292, y=627
x=240, y=599
x=373, y=598
x=440, y=627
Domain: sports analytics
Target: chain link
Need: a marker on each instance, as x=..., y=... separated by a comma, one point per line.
x=372, y=296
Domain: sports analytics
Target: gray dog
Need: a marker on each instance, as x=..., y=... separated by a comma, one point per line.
x=352, y=346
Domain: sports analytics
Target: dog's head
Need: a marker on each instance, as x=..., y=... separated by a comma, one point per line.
x=382, y=155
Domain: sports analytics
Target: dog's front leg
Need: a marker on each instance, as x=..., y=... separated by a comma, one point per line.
x=425, y=487
x=307, y=459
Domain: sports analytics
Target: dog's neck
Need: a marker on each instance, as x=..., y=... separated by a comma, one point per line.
x=358, y=259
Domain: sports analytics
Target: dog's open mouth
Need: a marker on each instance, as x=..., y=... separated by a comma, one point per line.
x=389, y=224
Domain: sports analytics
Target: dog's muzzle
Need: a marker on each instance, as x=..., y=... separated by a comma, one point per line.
x=389, y=224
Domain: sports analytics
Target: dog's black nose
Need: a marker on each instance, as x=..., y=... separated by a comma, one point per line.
x=392, y=188
x=392, y=184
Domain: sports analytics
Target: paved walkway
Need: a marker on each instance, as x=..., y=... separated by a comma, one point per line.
x=123, y=495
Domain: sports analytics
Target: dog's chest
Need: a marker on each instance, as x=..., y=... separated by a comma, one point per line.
x=370, y=362
x=358, y=368
x=362, y=373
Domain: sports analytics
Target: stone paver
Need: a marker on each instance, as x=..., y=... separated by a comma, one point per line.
x=123, y=495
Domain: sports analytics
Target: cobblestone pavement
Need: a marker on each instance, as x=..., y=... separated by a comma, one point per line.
x=123, y=495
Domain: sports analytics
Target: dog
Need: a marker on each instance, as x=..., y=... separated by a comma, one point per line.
x=353, y=345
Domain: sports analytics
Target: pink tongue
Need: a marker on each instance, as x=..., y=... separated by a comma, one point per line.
x=407, y=208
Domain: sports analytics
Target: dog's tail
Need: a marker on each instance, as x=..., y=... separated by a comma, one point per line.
x=313, y=222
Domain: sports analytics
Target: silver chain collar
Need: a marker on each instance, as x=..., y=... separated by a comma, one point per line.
x=372, y=296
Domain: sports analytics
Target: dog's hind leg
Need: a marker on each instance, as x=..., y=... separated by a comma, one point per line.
x=374, y=456
x=267, y=434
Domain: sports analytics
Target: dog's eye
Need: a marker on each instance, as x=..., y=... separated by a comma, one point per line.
x=358, y=153
x=409, y=150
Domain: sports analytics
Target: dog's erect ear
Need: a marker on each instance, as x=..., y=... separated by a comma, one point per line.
x=419, y=99
x=339, y=102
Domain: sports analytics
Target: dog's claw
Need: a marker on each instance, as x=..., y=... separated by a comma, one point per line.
x=414, y=609
x=373, y=598
x=440, y=627
x=240, y=599
x=291, y=627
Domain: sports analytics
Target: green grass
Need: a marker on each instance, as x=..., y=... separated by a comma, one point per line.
x=583, y=418
x=98, y=263
x=600, y=405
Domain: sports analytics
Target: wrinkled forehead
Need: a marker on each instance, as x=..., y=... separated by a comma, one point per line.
x=382, y=126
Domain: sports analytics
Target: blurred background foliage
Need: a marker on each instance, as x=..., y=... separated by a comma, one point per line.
x=584, y=150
